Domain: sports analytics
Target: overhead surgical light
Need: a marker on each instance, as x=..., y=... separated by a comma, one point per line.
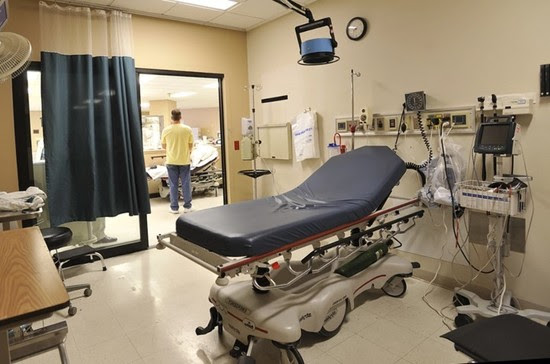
x=317, y=51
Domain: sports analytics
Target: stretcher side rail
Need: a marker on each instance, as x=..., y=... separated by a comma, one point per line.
x=408, y=220
x=367, y=233
x=224, y=266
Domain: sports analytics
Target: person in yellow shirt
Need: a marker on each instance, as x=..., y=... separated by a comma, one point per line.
x=177, y=140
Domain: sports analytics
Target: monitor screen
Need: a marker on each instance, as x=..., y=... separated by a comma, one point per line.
x=495, y=138
x=495, y=134
x=3, y=13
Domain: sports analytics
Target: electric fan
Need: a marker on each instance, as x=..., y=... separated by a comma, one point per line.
x=15, y=50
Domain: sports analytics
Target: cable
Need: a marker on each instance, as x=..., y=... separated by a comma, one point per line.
x=502, y=295
x=418, y=169
x=272, y=169
x=401, y=120
x=473, y=154
x=429, y=289
x=532, y=200
x=453, y=205
x=399, y=241
x=424, y=139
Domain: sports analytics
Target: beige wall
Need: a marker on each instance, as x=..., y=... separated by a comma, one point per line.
x=453, y=50
x=23, y=20
x=203, y=49
x=206, y=119
x=8, y=179
x=199, y=48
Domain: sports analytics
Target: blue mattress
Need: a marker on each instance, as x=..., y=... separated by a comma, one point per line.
x=346, y=188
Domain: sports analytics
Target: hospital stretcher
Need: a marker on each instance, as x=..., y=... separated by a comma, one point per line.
x=204, y=175
x=338, y=212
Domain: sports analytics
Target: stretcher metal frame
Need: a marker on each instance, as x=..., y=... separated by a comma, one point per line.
x=231, y=267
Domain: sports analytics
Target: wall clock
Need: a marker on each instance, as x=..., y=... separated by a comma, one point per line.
x=357, y=28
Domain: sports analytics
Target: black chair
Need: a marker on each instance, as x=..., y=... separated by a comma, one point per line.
x=58, y=237
x=502, y=338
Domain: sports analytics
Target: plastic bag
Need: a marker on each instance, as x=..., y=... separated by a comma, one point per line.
x=304, y=132
x=440, y=175
x=29, y=200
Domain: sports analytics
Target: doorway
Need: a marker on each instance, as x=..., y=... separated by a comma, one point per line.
x=111, y=236
x=199, y=98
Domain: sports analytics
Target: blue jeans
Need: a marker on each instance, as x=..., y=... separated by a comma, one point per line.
x=175, y=173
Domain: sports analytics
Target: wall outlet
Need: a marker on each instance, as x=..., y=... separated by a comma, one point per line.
x=393, y=123
x=380, y=123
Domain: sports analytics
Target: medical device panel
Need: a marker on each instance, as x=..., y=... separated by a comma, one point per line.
x=495, y=136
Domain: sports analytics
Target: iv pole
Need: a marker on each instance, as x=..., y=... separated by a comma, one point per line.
x=353, y=124
x=255, y=172
x=254, y=142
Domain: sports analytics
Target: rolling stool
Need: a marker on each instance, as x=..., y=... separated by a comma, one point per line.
x=58, y=237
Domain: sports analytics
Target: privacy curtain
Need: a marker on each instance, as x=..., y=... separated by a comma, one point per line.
x=90, y=115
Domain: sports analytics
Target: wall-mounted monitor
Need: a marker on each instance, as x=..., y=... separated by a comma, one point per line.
x=495, y=138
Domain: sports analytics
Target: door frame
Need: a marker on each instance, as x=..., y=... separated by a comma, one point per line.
x=217, y=76
x=23, y=148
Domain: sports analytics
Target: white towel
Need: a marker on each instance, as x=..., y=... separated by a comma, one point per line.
x=31, y=199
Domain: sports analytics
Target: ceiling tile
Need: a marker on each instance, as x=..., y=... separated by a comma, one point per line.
x=265, y=9
x=194, y=13
x=148, y=6
x=236, y=21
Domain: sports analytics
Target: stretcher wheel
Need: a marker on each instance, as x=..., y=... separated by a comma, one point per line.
x=395, y=286
x=72, y=311
x=87, y=292
x=462, y=319
x=289, y=352
x=334, y=320
x=292, y=357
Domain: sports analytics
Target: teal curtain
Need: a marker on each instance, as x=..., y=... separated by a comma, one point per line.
x=92, y=138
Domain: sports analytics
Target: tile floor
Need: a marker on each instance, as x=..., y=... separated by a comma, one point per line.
x=145, y=308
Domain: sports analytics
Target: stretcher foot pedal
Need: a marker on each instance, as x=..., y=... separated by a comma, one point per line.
x=215, y=321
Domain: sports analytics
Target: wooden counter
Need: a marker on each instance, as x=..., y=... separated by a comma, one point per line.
x=29, y=283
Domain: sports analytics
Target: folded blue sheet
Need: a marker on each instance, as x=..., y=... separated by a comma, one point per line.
x=346, y=188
